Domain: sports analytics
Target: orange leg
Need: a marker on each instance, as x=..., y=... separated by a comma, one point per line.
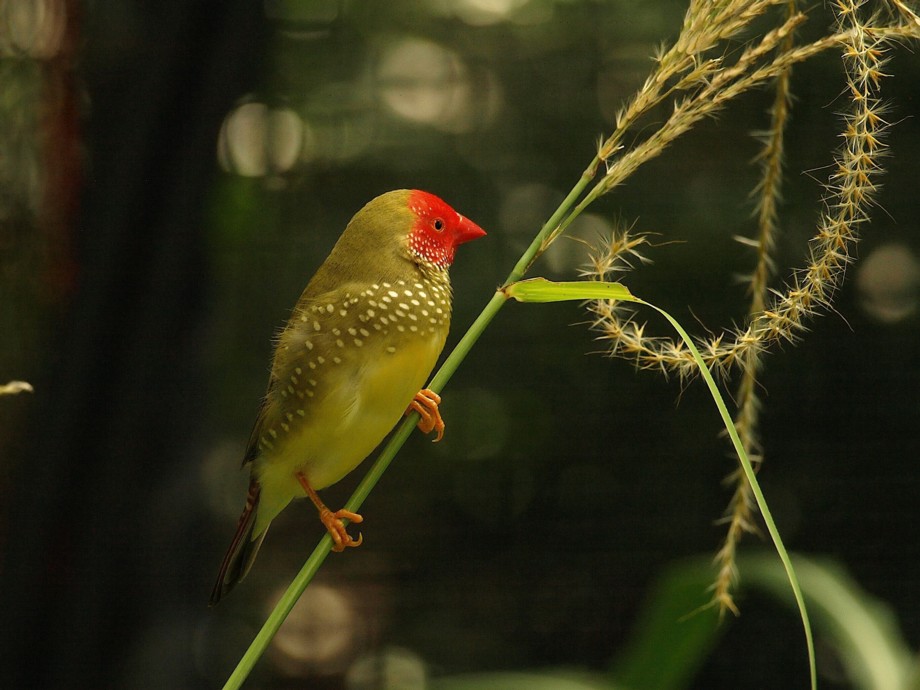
x=332, y=521
x=426, y=404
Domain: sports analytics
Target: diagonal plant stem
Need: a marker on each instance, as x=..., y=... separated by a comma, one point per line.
x=560, y=217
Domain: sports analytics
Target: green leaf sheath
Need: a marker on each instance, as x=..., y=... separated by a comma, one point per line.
x=540, y=290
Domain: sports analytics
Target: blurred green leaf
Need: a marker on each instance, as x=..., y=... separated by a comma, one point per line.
x=674, y=633
x=862, y=629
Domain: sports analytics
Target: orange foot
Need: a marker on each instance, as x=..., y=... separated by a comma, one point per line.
x=333, y=521
x=426, y=404
x=336, y=528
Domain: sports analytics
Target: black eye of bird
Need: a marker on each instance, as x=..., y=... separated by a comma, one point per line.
x=438, y=224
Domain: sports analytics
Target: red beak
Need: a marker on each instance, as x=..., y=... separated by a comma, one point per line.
x=467, y=230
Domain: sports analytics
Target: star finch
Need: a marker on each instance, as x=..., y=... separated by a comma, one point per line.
x=361, y=342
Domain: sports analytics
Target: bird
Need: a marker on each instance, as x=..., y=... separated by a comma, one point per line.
x=350, y=362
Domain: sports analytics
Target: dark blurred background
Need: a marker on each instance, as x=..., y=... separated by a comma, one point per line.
x=171, y=173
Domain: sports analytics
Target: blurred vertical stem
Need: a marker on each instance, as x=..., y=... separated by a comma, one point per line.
x=740, y=511
x=559, y=220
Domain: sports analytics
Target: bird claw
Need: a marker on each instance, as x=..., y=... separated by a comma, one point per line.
x=332, y=521
x=336, y=528
x=426, y=404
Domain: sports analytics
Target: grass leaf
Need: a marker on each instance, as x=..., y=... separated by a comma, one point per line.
x=542, y=290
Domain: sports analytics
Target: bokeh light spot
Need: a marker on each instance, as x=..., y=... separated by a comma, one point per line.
x=319, y=635
x=256, y=141
x=486, y=12
x=570, y=252
x=888, y=281
x=32, y=27
x=392, y=668
x=422, y=82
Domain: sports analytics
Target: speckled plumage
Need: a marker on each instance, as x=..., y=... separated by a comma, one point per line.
x=361, y=342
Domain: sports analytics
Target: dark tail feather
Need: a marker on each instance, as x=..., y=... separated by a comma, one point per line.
x=243, y=549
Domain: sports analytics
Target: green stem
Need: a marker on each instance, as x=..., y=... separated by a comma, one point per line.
x=404, y=430
x=279, y=613
x=557, y=220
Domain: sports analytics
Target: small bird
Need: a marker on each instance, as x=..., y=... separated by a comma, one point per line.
x=352, y=359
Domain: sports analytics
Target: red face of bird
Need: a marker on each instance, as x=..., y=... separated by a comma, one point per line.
x=438, y=229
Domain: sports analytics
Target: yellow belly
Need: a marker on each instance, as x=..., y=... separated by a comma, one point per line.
x=351, y=420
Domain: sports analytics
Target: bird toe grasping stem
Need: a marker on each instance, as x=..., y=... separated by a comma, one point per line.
x=333, y=521
x=426, y=404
